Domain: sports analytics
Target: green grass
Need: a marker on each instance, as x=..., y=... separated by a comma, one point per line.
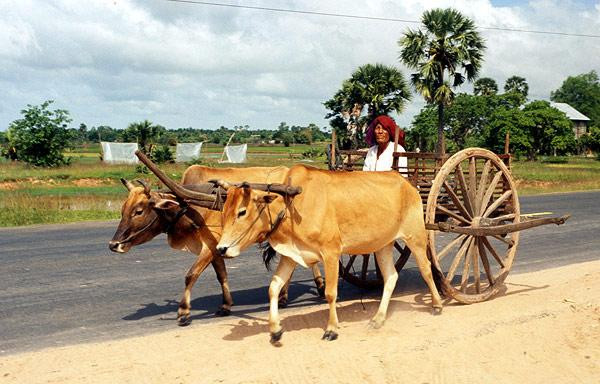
x=90, y=190
x=578, y=174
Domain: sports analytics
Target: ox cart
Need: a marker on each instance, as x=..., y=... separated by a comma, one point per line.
x=471, y=210
x=472, y=215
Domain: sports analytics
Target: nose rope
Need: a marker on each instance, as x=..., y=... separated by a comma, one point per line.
x=135, y=234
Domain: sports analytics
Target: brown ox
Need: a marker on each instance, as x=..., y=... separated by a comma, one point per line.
x=146, y=214
x=354, y=212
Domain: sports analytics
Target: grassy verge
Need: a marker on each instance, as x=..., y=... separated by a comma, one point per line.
x=577, y=174
x=90, y=190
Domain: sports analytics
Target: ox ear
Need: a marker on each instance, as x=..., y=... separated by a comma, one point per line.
x=163, y=204
x=128, y=184
x=269, y=198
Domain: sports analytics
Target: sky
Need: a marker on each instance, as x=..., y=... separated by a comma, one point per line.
x=114, y=62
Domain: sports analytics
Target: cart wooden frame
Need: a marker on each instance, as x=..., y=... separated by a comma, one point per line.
x=472, y=215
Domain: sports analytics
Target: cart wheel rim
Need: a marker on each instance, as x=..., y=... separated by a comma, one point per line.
x=473, y=188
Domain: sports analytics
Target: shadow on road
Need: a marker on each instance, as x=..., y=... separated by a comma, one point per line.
x=247, y=302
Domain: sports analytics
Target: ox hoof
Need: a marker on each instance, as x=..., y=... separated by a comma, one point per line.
x=329, y=335
x=222, y=312
x=276, y=338
x=374, y=324
x=282, y=303
x=436, y=311
x=184, y=320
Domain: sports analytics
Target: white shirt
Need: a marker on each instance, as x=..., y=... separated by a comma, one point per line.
x=385, y=160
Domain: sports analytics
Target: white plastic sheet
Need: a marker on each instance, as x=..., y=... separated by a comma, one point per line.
x=236, y=153
x=119, y=153
x=187, y=152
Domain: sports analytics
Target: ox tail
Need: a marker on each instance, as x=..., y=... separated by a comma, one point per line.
x=268, y=253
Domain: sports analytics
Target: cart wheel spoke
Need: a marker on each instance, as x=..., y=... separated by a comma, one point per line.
x=497, y=203
x=459, y=256
x=485, y=261
x=473, y=182
x=349, y=265
x=452, y=244
x=475, y=262
x=489, y=192
x=464, y=280
x=493, y=252
x=457, y=203
x=483, y=181
x=365, y=266
x=463, y=189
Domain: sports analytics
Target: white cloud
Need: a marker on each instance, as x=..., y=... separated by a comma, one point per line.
x=114, y=62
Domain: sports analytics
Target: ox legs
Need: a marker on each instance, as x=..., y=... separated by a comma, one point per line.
x=219, y=265
x=390, y=277
x=418, y=249
x=183, y=313
x=282, y=275
x=331, y=275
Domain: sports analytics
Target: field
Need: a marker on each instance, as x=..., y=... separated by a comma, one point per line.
x=90, y=190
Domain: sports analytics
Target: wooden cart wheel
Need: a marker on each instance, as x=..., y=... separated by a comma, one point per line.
x=362, y=270
x=473, y=188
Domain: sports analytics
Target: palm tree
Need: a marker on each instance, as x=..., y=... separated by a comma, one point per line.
x=485, y=86
x=448, y=51
x=380, y=88
x=144, y=133
x=517, y=85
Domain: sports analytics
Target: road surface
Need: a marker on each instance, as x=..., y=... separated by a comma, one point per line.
x=59, y=284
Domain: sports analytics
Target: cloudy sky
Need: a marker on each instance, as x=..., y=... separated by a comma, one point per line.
x=113, y=62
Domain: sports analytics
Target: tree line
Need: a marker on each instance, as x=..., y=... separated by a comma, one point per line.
x=42, y=135
x=446, y=52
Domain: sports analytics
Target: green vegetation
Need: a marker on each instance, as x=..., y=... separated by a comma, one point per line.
x=378, y=89
x=40, y=137
x=53, y=183
x=92, y=191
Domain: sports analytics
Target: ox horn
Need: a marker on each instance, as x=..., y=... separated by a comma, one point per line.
x=128, y=184
x=145, y=185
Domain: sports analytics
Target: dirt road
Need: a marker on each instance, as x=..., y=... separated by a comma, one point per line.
x=544, y=329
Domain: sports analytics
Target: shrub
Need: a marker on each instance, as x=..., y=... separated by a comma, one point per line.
x=41, y=136
x=161, y=154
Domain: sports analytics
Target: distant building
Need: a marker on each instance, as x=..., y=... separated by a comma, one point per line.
x=580, y=121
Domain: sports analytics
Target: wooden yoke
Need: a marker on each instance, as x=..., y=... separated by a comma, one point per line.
x=197, y=195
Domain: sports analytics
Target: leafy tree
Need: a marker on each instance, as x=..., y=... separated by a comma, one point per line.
x=103, y=133
x=511, y=120
x=551, y=132
x=466, y=118
x=582, y=92
x=592, y=141
x=445, y=53
x=40, y=137
x=485, y=86
x=380, y=88
x=423, y=131
x=517, y=86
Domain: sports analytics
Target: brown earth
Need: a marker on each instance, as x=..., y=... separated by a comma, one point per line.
x=544, y=329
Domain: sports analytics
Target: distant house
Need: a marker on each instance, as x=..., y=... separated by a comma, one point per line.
x=580, y=121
